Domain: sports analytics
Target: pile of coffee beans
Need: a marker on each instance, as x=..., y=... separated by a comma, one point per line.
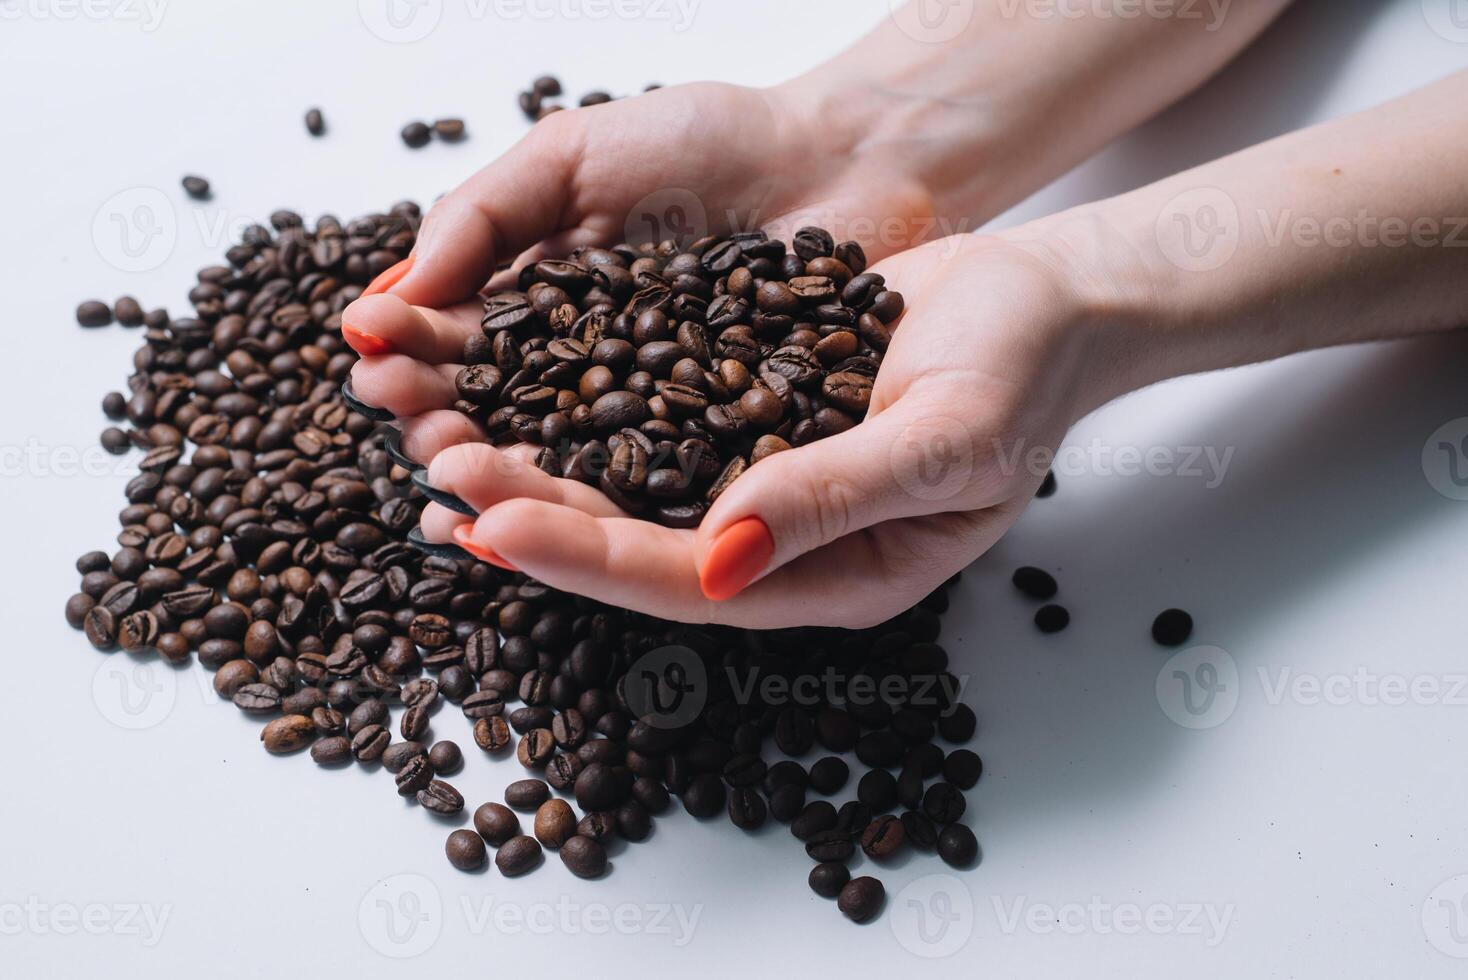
x=268, y=536
x=659, y=374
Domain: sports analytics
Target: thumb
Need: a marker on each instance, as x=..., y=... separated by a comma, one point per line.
x=493, y=216
x=904, y=462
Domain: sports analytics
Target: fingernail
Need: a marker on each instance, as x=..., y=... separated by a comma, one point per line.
x=389, y=277
x=464, y=535
x=738, y=554
x=364, y=343
x=453, y=551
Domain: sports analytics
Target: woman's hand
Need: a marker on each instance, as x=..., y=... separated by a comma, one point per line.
x=985, y=366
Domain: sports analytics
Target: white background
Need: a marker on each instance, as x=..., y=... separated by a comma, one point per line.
x=1319, y=829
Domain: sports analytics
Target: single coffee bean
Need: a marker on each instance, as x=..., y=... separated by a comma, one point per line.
x=315, y=122
x=93, y=313
x=416, y=134
x=554, y=823
x=861, y=899
x=787, y=801
x=962, y=768
x=704, y=796
x=441, y=798
x=828, y=775
x=958, y=724
x=527, y=794
x=883, y=837
x=747, y=808
x=399, y=754
x=957, y=846
x=1172, y=627
x=449, y=129
x=446, y=757
x=331, y=751
x=878, y=790
x=1035, y=582
x=817, y=816
x=465, y=850
x=634, y=823
x=830, y=845
x=369, y=743
x=943, y=803
x=584, y=857
x=196, y=187
x=517, y=855
x=415, y=776
x=1052, y=618
x=828, y=878
x=492, y=734
x=288, y=734
x=496, y=823
x=919, y=830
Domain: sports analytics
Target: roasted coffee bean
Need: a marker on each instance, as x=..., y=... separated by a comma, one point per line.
x=496, y=823
x=446, y=757
x=1035, y=582
x=584, y=857
x=535, y=748
x=704, y=796
x=958, y=724
x=288, y=734
x=93, y=313
x=465, y=850
x=943, y=803
x=196, y=187
x=415, y=775
x=449, y=129
x=441, y=798
x=652, y=794
x=861, y=899
x=828, y=775
x=331, y=751
x=830, y=845
x=492, y=734
x=883, y=837
x=814, y=818
x=554, y=823
x=416, y=134
x=399, y=754
x=746, y=808
x=787, y=802
x=962, y=768
x=315, y=122
x=919, y=830
x=828, y=878
x=1052, y=618
x=1172, y=627
x=634, y=822
x=957, y=846
x=878, y=790
x=527, y=794
x=369, y=743
x=517, y=855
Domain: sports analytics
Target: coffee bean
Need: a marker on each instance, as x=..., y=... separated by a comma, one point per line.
x=399, y=754
x=554, y=823
x=416, y=134
x=584, y=857
x=943, y=803
x=93, y=313
x=527, y=794
x=465, y=850
x=449, y=129
x=957, y=846
x=1172, y=627
x=1052, y=618
x=883, y=837
x=369, y=743
x=962, y=768
x=196, y=187
x=959, y=724
x=315, y=122
x=1035, y=582
x=919, y=830
x=746, y=808
x=415, y=776
x=492, y=734
x=877, y=789
x=787, y=801
x=704, y=796
x=441, y=798
x=815, y=817
x=634, y=823
x=331, y=751
x=827, y=879
x=828, y=775
x=445, y=757
x=496, y=823
x=1047, y=486
x=288, y=734
x=517, y=855
x=861, y=899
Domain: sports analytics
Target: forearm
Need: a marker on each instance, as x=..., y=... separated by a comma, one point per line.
x=1351, y=231
x=1026, y=91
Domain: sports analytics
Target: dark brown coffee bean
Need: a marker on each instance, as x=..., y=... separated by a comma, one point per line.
x=315, y=122
x=331, y=751
x=957, y=846
x=535, y=748
x=943, y=803
x=584, y=857
x=369, y=743
x=492, y=734
x=441, y=798
x=527, y=794
x=517, y=855
x=827, y=879
x=861, y=899
x=554, y=823
x=196, y=187
x=415, y=775
x=446, y=757
x=416, y=134
x=496, y=823
x=465, y=850
x=883, y=837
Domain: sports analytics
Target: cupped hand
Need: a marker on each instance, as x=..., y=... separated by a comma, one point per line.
x=676, y=162
x=985, y=365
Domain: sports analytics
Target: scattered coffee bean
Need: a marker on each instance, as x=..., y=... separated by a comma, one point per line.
x=196, y=187
x=288, y=734
x=441, y=798
x=527, y=794
x=517, y=855
x=1052, y=618
x=962, y=768
x=465, y=850
x=315, y=122
x=496, y=823
x=446, y=757
x=449, y=129
x=1172, y=627
x=93, y=313
x=861, y=898
x=828, y=878
x=584, y=857
x=828, y=775
x=957, y=846
x=554, y=823
x=1035, y=582
x=416, y=134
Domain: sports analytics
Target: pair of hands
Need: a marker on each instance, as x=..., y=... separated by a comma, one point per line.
x=985, y=366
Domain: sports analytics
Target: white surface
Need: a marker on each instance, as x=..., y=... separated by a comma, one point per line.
x=1319, y=829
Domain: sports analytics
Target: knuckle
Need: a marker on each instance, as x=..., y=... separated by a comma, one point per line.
x=834, y=504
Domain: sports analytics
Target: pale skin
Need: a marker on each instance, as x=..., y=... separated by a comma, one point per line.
x=1008, y=339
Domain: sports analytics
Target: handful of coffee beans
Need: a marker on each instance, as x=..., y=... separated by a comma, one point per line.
x=268, y=536
x=660, y=373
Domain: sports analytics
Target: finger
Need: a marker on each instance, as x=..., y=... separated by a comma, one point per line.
x=403, y=385
x=483, y=476
x=502, y=210
x=904, y=462
x=385, y=324
x=425, y=436
x=649, y=568
x=437, y=523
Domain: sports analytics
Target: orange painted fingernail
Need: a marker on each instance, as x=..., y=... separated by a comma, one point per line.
x=366, y=344
x=389, y=277
x=464, y=538
x=738, y=554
